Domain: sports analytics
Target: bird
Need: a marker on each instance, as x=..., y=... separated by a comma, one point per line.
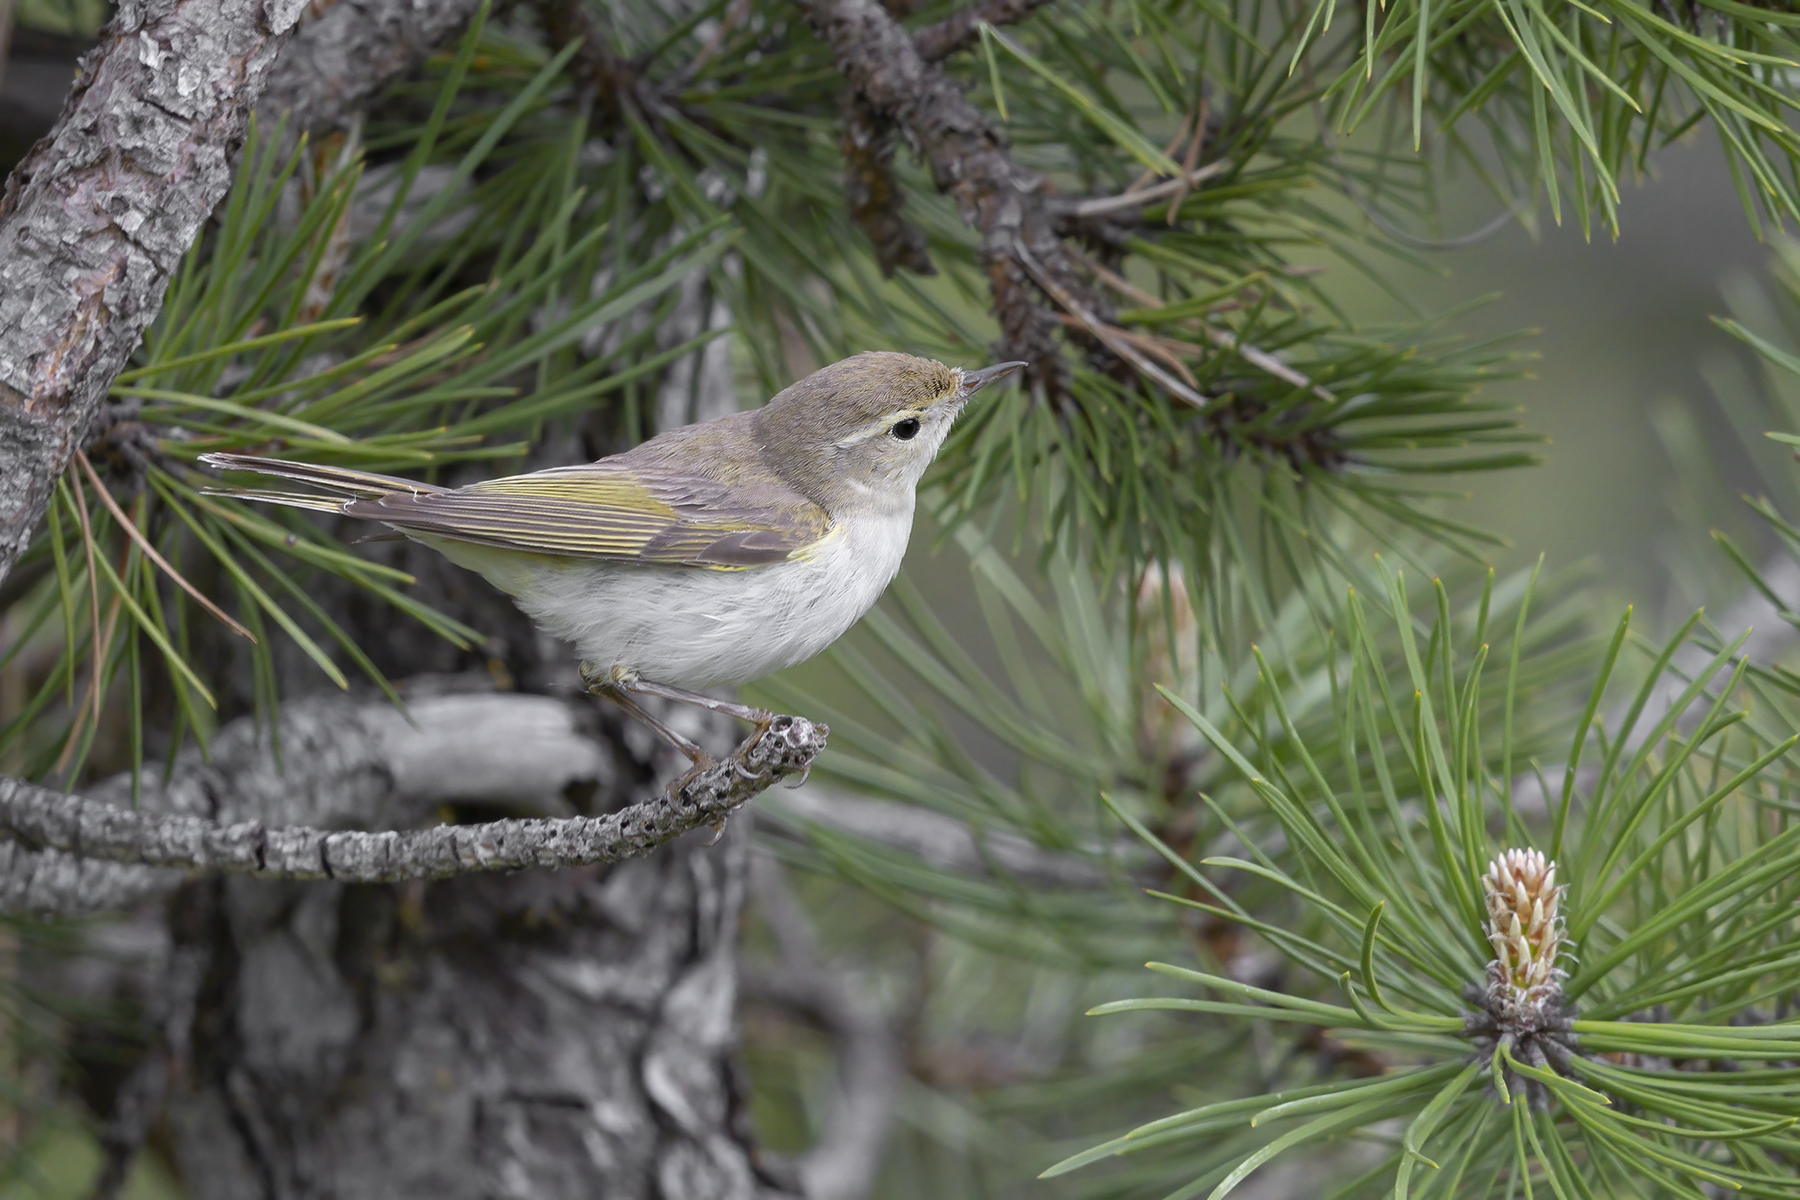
x=710, y=555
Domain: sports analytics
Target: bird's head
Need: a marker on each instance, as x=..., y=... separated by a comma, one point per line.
x=858, y=434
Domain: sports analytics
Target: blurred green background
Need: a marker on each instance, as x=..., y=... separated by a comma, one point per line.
x=1622, y=332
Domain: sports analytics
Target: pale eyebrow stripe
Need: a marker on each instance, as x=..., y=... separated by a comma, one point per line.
x=875, y=429
x=862, y=435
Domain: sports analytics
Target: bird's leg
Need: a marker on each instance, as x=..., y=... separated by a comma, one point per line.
x=759, y=717
x=601, y=684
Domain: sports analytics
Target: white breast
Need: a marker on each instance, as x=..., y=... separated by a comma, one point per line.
x=692, y=627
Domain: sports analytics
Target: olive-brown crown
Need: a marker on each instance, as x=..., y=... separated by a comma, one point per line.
x=847, y=395
x=860, y=432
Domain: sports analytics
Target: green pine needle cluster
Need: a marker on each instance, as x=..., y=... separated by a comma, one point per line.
x=1679, y=848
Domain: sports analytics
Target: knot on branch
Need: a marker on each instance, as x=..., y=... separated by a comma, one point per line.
x=875, y=198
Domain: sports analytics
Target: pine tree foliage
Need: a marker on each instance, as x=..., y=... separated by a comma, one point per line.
x=1192, y=676
x=1670, y=946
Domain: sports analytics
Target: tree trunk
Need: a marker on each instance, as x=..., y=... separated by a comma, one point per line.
x=544, y=1035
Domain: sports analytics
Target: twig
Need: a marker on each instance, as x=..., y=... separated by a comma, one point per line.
x=1130, y=199
x=1167, y=349
x=962, y=29
x=1108, y=335
x=143, y=543
x=968, y=159
x=43, y=819
x=1227, y=340
x=1222, y=338
x=1148, y=173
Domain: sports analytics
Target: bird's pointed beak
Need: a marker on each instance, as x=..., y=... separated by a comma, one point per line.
x=974, y=381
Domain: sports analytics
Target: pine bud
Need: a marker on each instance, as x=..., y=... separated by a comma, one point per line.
x=1525, y=928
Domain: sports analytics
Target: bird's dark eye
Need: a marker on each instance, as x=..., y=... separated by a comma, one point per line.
x=906, y=429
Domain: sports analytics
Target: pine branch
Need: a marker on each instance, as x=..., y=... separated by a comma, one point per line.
x=875, y=197
x=969, y=160
x=96, y=217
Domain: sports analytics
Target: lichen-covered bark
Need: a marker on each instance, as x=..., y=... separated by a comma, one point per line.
x=51, y=820
x=97, y=216
x=544, y=1035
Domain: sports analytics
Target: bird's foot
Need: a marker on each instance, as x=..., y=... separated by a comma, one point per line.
x=615, y=683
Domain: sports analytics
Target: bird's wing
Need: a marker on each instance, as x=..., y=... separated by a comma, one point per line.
x=613, y=510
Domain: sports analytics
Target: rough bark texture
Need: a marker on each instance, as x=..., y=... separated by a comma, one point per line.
x=875, y=198
x=49, y=883
x=545, y=1034
x=97, y=216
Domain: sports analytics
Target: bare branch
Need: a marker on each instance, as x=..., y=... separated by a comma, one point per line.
x=1138, y=197
x=347, y=763
x=41, y=818
x=1109, y=336
x=1224, y=339
x=99, y=214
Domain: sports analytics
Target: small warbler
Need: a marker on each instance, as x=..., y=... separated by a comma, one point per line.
x=711, y=554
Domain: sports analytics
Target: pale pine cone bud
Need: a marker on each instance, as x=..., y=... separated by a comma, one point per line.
x=1524, y=926
x=1522, y=1004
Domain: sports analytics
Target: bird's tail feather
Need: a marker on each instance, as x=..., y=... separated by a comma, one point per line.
x=330, y=504
x=342, y=483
